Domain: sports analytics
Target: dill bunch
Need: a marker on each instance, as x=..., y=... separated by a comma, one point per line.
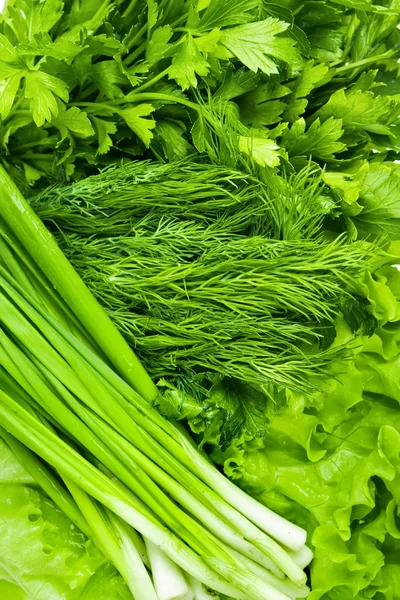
x=206, y=269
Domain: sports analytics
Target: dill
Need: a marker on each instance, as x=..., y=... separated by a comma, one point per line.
x=207, y=269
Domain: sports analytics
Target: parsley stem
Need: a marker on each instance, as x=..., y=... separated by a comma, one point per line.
x=95, y=105
x=130, y=8
x=137, y=97
x=89, y=91
x=34, y=155
x=162, y=5
x=137, y=36
x=135, y=54
x=15, y=108
x=179, y=21
x=50, y=141
x=365, y=61
x=153, y=80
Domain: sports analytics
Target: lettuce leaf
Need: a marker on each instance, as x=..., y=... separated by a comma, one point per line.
x=10, y=591
x=41, y=551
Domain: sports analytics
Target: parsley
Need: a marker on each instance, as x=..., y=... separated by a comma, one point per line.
x=85, y=85
x=256, y=44
x=187, y=63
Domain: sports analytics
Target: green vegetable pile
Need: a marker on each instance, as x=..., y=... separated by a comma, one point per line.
x=221, y=186
x=331, y=461
x=38, y=539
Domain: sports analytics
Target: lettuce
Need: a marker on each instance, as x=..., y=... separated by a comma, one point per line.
x=9, y=591
x=41, y=551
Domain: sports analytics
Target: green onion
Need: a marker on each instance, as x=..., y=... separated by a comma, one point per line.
x=70, y=464
x=44, y=250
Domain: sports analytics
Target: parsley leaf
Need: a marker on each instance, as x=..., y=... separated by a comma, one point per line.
x=8, y=52
x=255, y=44
x=173, y=142
x=42, y=89
x=158, y=45
x=187, y=62
x=367, y=5
x=379, y=199
x=358, y=109
x=104, y=129
x=326, y=44
x=241, y=411
x=262, y=106
x=72, y=121
x=281, y=76
x=319, y=140
x=135, y=119
x=263, y=151
x=224, y=13
x=8, y=91
x=62, y=48
x=29, y=17
x=301, y=88
x=108, y=77
x=152, y=14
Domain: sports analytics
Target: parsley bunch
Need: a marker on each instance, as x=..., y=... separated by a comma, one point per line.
x=84, y=85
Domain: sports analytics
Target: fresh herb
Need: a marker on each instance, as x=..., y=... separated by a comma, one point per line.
x=207, y=270
x=250, y=267
x=85, y=87
x=105, y=82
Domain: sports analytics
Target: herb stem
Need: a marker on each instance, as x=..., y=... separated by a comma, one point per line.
x=138, y=36
x=90, y=90
x=130, y=8
x=50, y=141
x=134, y=55
x=95, y=105
x=34, y=156
x=365, y=61
x=178, y=21
x=138, y=97
x=152, y=81
x=159, y=96
x=16, y=107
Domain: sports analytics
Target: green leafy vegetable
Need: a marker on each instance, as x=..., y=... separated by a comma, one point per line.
x=329, y=461
x=250, y=267
x=187, y=62
x=254, y=43
x=10, y=590
x=139, y=466
x=297, y=80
